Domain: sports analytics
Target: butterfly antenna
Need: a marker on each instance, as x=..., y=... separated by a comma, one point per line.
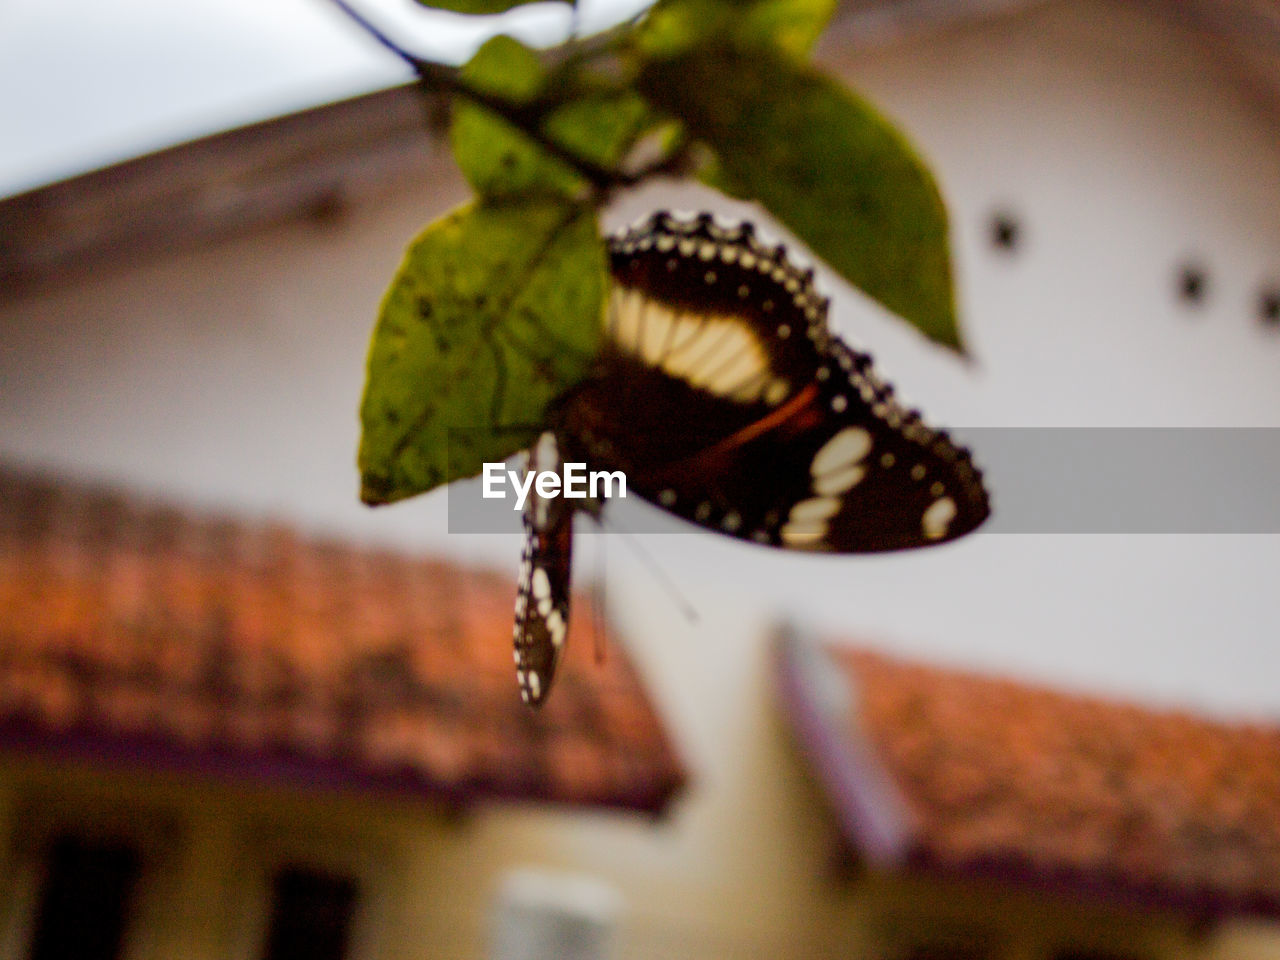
x=656, y=571
x=598, y=602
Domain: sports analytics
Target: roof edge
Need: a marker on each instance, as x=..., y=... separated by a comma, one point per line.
x=310, y=776
x=1197, y=904
x=310, y=164
x=872, y=816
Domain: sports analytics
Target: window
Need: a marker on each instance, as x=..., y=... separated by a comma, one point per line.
x=85, y=901
x=306, y=891
x=311, y=914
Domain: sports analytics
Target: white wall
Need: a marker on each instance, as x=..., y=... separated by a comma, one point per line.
x=231, y=376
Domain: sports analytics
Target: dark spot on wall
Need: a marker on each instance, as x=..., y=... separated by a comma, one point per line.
x=328, y=208
x=1005, y=231
x=1269, y=306
x=1192, y=283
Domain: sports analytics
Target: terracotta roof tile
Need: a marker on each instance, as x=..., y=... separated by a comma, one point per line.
x=993, y=777
x=133, y=629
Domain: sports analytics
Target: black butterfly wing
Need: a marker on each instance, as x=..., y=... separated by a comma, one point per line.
x=726, y=401
x=712, y=307
x=542, y=596
x=811, y=478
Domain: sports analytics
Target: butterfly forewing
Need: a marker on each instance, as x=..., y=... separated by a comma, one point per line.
x=726, y=400
x=542, y=597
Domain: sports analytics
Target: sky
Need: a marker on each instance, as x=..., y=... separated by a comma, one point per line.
x=89, y=84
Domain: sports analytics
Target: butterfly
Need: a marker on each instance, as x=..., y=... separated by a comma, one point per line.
x=725, y=399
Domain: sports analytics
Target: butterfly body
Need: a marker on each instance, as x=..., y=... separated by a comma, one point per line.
x=722, y=395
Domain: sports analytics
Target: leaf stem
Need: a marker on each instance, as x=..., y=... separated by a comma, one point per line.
x=527, y=118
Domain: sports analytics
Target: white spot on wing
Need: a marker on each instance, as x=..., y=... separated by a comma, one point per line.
x=776, y=392
x=556, y=627
x=846, y=448
x=937, y=518
x=548, y=451
x=815, y=509
x=840, y=481
x=541, y=585
x=803, y=534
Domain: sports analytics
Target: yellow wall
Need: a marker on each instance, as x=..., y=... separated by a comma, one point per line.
x=427, y=877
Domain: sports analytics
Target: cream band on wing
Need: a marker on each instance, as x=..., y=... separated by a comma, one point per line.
x=719, y=353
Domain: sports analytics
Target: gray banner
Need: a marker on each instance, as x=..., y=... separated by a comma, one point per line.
x=1056, y=480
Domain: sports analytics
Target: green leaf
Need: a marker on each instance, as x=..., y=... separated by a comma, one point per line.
x=673, y=28
x=600, y=126
x=475, y=6
x=499, y=160
x=825, y=163
x=504, y=67
x=677, y=27
x=493, y=314
x=791, y=26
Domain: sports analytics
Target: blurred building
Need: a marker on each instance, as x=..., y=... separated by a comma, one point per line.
x=981, y=812
x=224, y=737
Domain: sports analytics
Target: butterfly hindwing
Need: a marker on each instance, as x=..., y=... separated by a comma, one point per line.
x=542, y=597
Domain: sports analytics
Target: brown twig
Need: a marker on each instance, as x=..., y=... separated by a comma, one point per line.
x=527, y=118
